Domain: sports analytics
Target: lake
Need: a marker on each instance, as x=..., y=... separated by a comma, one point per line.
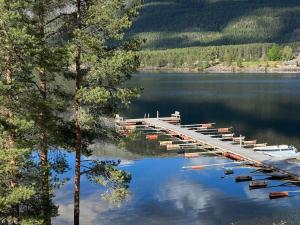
x=265, y=107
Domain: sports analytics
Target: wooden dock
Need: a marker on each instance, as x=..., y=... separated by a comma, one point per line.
x=171, y=126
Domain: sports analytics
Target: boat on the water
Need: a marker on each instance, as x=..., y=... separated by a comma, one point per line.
x=278, y=150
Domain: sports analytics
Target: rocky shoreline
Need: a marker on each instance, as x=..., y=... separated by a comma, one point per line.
x=224, y=69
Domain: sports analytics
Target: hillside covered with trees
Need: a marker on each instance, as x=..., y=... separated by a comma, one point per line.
x=203, y=33
x=187, y=23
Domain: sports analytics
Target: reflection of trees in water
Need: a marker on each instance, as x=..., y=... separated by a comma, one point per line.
x=137, y=143
x=262, y=107
x=28, y=202
x=115, y=181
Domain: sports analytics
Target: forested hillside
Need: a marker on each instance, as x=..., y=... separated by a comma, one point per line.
x=188, y=23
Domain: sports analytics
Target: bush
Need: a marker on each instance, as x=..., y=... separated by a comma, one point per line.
x=287, y=53
x=274, y=53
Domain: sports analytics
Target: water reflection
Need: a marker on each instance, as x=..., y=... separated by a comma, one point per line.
x=260, y=106
x=164, y=193
x=265, y=107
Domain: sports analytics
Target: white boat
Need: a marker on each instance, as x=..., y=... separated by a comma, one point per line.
x=278, y=150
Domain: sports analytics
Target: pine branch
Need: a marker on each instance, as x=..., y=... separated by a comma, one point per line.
x=58, y=17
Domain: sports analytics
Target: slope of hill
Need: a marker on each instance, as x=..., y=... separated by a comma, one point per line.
x=186, y=23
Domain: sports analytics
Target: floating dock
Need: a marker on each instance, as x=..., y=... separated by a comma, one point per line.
x=207, y=137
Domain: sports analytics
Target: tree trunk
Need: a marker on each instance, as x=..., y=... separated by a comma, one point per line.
x=45, y=170
x=78, y=139
x=10, y=118
x=10, y=136
x=77, y=124
x=46, y=208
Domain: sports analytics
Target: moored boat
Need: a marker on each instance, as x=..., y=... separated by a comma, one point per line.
x=258, y=184
x=278, y=150
x=243, y=178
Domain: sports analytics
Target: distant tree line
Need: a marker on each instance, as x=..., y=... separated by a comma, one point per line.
x=205, y=56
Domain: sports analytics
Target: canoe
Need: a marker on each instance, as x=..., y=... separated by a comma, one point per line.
x=197, y=167
x=243, y=178
x=233, y=156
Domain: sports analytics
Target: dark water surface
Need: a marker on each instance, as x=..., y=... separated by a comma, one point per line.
x=265, y=107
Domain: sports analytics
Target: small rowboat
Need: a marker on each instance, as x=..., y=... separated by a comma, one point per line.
x=224, y=130
x=243, y=178
x=191, y=155
x=278, y=194
x=197, y=167
x=258, y=184
x=233, y=156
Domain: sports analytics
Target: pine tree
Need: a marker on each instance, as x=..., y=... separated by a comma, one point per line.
x=49, y=64
x=30, y=97
x=104, y=60
x=15, y=38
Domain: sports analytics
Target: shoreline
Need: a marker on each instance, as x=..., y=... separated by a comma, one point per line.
x=223, y=70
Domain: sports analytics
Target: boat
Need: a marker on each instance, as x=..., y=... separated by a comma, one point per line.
x=258, y=184
x=278, y=194
x=278, y=150
x=243, y=178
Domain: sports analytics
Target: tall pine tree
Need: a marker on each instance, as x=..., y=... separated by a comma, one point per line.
x=49, y=65
x=104, y=60
x=15, y=37
x=32, y=59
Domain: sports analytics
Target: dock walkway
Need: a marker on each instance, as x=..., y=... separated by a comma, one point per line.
x=280, y=164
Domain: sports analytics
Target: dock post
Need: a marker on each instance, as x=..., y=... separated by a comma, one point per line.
x=157, y=114
x=148, y=115
x=240, y=140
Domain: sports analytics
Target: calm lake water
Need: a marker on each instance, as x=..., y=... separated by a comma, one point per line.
x=263, y=107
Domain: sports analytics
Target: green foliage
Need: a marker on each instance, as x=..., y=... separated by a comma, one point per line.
x=24, y=54
x=16, y=196
x=228, y=58
x=287, y=53
x=274, y=53
x=189, y=56
x=190, y=23
x=13, y=195
x=107, y=59
x=115, y=181
x=36, y=59
x=239, y=63
x=104, y=61
x=31, y=221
